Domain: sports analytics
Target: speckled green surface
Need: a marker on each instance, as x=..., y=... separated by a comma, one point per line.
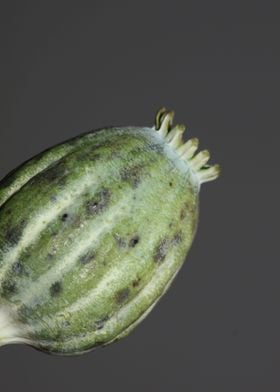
x=92, y=233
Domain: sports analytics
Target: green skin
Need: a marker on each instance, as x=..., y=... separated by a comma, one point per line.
x=92, y=233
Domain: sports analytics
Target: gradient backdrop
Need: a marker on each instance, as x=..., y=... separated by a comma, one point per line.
x=68, y=67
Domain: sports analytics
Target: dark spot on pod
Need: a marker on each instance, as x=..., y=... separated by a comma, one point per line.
x=170, y=183
x=65, y=217
x=9, y=287
x=55, y=289
x=14, y=233
x=177, y=238
x=161, y=251
x=99, y=324
x=136, y=282
x=132, y=175
x=122, y=295
x=87, y=258
x=134, y=241
x=50, y=256
x=98, y=203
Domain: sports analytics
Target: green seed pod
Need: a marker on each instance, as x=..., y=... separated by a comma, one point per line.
x=93, y=231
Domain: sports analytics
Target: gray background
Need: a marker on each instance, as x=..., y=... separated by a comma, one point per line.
x=68, y=67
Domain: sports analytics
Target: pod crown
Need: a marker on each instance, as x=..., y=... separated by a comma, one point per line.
x=173, y=135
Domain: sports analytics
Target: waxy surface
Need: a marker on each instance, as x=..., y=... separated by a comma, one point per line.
x=92, y=232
